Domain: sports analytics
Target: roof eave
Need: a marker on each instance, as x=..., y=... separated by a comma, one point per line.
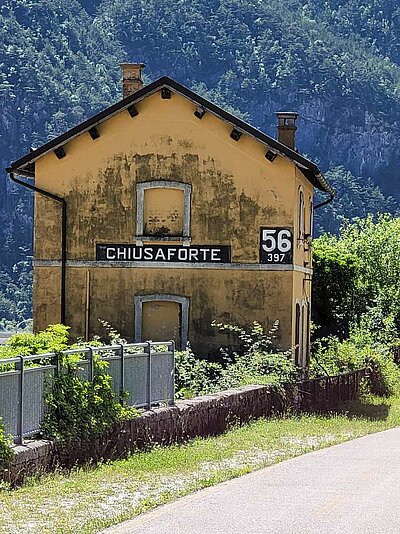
x=309, y=169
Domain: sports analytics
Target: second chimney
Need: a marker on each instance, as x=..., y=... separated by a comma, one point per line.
x=131, y=78
x=287, y=128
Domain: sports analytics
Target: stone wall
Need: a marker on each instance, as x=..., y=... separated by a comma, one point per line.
x=199, y=417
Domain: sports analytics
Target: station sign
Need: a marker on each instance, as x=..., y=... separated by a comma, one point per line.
x=164, y=253
x=276, y=245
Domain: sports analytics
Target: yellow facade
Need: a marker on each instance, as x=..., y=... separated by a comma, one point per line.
x=234, y=191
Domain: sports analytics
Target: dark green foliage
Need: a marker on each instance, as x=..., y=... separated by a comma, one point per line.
x=356, y=197
x=256, y=361
x=194, y=376
x=56, y=69
x=336, y=302
x=357, y=273
x=79, y=410
x=5, y=450
x=15, y=296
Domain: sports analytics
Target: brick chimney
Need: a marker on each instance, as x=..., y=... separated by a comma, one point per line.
x=287, y=128
x=131, y=78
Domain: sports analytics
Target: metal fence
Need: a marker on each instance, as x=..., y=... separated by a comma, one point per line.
x=328, y=392
x=145, y=371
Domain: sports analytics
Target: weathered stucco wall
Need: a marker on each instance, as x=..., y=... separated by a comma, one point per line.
x=235, y=191
x=223, y=295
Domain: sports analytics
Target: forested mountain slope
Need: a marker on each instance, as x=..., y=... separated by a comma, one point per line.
x=263, y=56
x=336, y=62
x=56, y=68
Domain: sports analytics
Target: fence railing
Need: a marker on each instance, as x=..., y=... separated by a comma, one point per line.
x=143, y=371
x=328, y=392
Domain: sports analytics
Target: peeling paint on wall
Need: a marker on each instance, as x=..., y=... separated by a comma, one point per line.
x=235, y=191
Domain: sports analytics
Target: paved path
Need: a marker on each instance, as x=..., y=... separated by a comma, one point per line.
x=352, y=488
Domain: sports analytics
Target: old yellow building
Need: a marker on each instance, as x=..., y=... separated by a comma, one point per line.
x=163, y=213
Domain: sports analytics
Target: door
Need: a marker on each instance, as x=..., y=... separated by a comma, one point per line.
x=161, y=321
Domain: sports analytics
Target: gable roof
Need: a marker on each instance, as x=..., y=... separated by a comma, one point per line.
x=25, y=165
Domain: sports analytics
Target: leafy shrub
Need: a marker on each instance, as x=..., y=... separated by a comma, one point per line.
x=194, y=376
x=5, y=449
x=78, y=409
x=53, y=339
x=384, y=375
x=331, y=356
x=336, y=291
x=256, y=361
x=259, y=368
x=356, y=277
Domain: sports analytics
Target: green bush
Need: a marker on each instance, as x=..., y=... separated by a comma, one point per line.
x=259, y=368
x=77, y=409
x=194, y=376
x=5, y=448
x=331, y=356
x=53, y=339
x=336, y=302
x=384, y=375
x=256, y=361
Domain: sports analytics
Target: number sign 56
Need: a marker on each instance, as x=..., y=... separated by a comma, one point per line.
x=276, y=245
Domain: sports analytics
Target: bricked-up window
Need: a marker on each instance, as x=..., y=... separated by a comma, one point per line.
x=297, y=336
x=162, y=316
x=301, y=216
x=163, y=211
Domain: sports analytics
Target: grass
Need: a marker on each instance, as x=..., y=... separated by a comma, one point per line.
x=88, y=500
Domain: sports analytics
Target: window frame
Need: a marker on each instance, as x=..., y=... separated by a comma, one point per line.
x=301, y=216
x=141, y=187
x=297, y=334
x=157, y=297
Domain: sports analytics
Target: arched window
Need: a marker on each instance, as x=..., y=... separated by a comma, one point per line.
x=301, y=216
x=311, y=217
x=297, y=336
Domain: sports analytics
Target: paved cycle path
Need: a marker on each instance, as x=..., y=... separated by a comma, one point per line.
x=351, y=488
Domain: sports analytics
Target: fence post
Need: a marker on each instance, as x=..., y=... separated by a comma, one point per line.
x=122, y=372
x=57, y=362
x=315, y=393
x=172, y=392
x=91, y=366
x=20, y=421
x=149, y=384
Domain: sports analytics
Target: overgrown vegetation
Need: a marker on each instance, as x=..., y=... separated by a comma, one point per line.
x=255, y=361
x=356, y=299
x=5, y=448
x=52, y=339
x=77, y=409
